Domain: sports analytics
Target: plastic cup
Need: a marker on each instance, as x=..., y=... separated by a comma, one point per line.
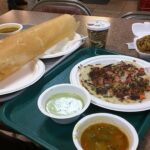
x=97, y=32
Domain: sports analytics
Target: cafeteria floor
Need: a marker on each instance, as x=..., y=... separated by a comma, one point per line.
x=114, y=8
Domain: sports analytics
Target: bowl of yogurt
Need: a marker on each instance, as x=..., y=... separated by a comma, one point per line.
x=64, y=103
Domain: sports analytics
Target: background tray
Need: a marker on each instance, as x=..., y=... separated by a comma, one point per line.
x=22, y=114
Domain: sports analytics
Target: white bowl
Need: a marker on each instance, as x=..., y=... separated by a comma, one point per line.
x=117, y=121
x=64, y=88
x=145, y=56
x=7, y=25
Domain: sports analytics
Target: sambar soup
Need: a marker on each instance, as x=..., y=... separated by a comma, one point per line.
x=8, y=29
x=103, y=136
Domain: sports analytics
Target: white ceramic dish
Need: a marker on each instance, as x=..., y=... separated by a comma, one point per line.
x=142, y=55
x=63, y=47
x=26, y=76
x=63, y=88
x=117, y=121
x=106, y=60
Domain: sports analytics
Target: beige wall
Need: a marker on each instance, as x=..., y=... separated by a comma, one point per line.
x=3, y=6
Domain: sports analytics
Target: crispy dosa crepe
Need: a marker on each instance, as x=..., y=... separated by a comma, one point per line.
x=19, y=49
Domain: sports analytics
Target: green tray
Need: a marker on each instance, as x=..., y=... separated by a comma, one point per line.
x=22, y=114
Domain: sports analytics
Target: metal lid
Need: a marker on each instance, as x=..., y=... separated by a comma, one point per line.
x=98, y=25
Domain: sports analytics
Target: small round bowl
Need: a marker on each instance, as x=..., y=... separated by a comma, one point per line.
x=117, y=121
x=13, y=28
x=64, y=88
x=145, y=56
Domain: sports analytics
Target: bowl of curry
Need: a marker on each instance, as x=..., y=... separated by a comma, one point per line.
x=142, y=46
x=7, y=29
x=104, y=131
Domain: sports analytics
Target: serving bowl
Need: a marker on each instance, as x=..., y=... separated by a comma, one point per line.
x=124, y=126
x=7, y=29
x=64, y=103
x=142, y=54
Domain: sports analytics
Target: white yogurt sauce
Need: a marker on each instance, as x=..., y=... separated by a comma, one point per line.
x=64, y=104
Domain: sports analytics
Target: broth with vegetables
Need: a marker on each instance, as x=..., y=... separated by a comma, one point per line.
x=103, y=136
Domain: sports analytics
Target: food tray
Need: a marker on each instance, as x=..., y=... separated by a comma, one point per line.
x=22, y=114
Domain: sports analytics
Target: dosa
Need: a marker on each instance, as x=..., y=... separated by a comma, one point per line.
x=19, y=49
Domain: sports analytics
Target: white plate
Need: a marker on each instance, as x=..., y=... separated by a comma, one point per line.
x=26, y=76
x=108, y=59
x=63, y=47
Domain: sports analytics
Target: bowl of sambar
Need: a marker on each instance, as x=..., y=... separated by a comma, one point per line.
x=104, y=131
x=7, y=29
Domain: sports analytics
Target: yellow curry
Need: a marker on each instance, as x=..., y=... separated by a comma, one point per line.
x=104, y=136
x=143, y=44
x=8, y=29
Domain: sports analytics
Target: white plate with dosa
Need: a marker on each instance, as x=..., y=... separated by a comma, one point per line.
x=63, y=47
x=26, y=76
x=106, y=60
